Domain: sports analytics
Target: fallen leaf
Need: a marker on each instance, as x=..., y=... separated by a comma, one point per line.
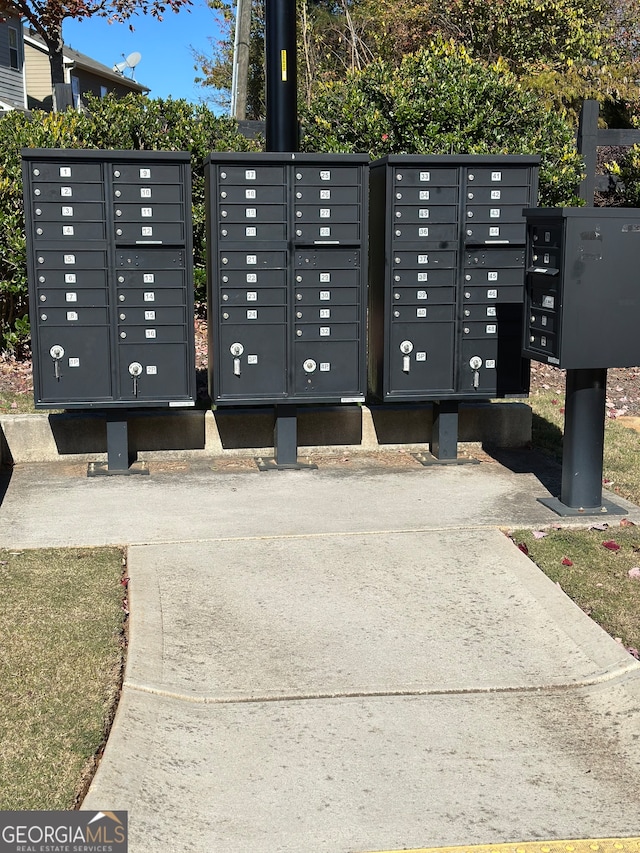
x=539, y=534
x=626, y=523
x=634, y=573
x=523, y=548
x=611, y=545
x=603, y=526
x=566, y=561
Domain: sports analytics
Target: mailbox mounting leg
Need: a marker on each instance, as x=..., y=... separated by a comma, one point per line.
x=119, y=460
x=285, y=442
x=583, y=447
x=444, y=437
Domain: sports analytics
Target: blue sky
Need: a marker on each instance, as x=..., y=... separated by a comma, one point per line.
x=167, y=64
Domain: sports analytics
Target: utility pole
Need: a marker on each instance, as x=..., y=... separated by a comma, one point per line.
x=240, y=75
x=281, y=74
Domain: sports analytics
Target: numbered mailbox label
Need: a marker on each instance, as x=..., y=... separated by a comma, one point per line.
x=65, y=171
x=150, y=333
x=325, y=331
x=69, y=278
x=69, y=259
x=325, y=277
x=325, y=295
x=66, y=192
x=149, y=296
x=67, y=211
x=145, y=192
x=149, y=315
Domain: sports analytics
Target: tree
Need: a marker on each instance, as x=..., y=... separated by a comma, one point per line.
x=441, y=101
x=47, y=16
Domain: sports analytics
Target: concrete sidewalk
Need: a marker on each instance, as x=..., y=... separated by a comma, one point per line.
x=349, y=659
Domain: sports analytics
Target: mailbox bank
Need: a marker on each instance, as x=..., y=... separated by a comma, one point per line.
x=109, y=259
x=447, y=276
x=287, y=236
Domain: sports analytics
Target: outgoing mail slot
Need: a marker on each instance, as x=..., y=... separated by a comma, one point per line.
x=327, y=259
x=495, y=258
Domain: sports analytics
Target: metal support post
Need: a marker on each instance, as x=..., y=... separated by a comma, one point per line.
x=583, y=446
x=444, y=437
x=119, y=460
x=285, y=442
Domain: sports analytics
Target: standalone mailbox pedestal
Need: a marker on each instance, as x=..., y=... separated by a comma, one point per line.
x=582, y=308
x=109, y=259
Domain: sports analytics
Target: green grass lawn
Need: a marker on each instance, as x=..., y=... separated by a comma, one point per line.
x=61, y=655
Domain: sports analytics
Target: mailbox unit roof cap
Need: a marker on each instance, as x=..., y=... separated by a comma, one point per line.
x=102, y=154
x=284, y=157
x=458, y=160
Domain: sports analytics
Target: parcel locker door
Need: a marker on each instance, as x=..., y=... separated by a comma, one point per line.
x=251, y=362
x=74, y=364
x=327, y=368
x=420, y=359
x=153, y=372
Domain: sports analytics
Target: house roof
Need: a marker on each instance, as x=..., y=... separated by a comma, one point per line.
x=75, y=59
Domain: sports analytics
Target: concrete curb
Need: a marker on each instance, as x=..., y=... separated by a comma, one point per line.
x=153, y=435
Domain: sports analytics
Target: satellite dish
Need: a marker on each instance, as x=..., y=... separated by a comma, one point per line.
x=130, y=62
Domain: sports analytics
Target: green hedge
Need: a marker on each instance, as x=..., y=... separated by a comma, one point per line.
x=131, y=123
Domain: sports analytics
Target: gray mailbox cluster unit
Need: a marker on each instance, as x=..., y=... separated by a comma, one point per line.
x=287, y=277
x=109, y=240
x=582, y=297
x=447, y=276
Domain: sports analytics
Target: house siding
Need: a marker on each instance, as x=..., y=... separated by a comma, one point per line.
x=11, y=79
x=38, y=74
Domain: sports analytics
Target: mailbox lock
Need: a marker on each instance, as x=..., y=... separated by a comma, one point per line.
x=398, y=196
x=467, y=278
x=533, y=318
x=224, y=232
x=43, y=298
x=298, y=195
x=398, y=177
x=299, y=315
x=223, y=194
x=223, y=213
x=467, y=313
x=123, y=316
x=225, y=316
x=398, y=214
x=225, y=297
x=122, y=297
x=298, y=176
x=43, y=316
x=223, y=175
x=299, y=214
x=39, y=232
x=299, y=297
x=466, y=330
x=472, y=177
x=309, y=365
x=469, y=195
x=236, y=349
x=475, y=362
x=123, y=334
x=56, y=352
x=299, y=333
x=470, y=214
x=36, y=192
x=118, y=212
x=396, y=313
x=135, y=368
x=36, y=172
x=467, y=295
x=41, y=279
x=469, y=232
x=225, y=278
x=298, y=278
x=398, y=233
x=406, y=347
x=121, y=279
x=119, y=232
x=118, y=193
x=38, y=211
x=396, y=295
x=40, y=260
x=225, y=260
x=298, y=233
x=116, y=174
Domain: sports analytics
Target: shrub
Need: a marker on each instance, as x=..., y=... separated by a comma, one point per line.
x=440, y=101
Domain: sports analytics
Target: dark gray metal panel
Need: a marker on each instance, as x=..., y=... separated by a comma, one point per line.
x=92, y=298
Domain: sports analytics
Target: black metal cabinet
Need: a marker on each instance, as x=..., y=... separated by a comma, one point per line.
x=447, y=275
x=109, y=258
x=582, y=298
x=287, y=236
